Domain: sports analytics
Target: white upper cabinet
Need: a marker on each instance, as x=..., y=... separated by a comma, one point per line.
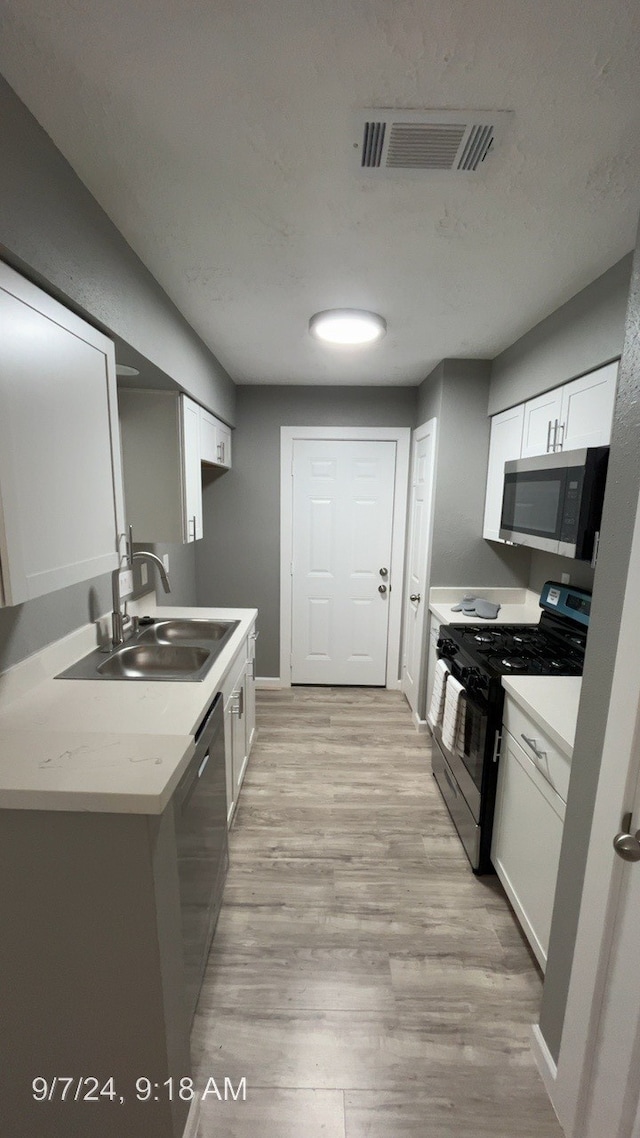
x=161, y=465
x=587, y=409
x=165, y=439
x=191, y=474
x=576, y=415
x=505, y=444
x=215, y=440
x=540, y=418
x=61, y=506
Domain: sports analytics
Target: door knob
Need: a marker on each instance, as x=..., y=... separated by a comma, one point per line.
x=626, y=844
x=415, y=597
x=382, y=588
x=383, y=572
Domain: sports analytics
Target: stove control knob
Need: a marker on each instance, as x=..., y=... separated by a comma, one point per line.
x=446, y=647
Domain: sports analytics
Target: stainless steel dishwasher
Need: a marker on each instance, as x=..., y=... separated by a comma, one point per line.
x=200, y=813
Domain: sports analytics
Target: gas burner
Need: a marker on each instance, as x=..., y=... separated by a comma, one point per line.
x=484, y=637
x=514, y=663
x=522, y=638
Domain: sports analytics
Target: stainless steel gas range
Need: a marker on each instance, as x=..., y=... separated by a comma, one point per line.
x=477, y=657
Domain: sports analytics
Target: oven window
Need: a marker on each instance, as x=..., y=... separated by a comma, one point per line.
x=475, y=733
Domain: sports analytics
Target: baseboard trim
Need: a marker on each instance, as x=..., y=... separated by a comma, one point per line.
x=394, y=685
x=420, y=725
x=193, y=1119
x=545, y=1063
x=267, y=682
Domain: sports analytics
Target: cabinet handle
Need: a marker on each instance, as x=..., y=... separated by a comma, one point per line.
x=193, y=520
x=203, y=765
x=559, y=445
x=223, y=454
x=235, y=707
x=532, y=743
x=549, y=436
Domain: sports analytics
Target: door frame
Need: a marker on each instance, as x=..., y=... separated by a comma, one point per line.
x=421, y=432
x=601, y=895
x=401, y=436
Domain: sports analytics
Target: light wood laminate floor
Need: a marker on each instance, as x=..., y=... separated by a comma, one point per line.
x=364, y=982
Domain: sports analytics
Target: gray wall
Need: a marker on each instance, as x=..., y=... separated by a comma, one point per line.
x=623, y=489
x=580, y=335
x=53, y=229
x=456, y=393
x=238, y=560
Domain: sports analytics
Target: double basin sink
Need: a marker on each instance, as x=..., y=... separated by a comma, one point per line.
x=176, y=648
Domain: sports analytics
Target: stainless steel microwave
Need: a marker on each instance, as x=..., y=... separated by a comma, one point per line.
x=554, y=501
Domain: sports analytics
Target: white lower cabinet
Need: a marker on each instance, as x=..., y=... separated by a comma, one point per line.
x=238, y=693
x=527, y=835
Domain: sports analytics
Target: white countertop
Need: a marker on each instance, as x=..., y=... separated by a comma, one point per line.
x=551, y=701
x=102, y=745
x=518, y=606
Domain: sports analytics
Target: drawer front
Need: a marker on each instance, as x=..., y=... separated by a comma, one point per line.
x=538, y=747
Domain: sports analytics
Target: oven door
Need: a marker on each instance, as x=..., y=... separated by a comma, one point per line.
x=467, y=761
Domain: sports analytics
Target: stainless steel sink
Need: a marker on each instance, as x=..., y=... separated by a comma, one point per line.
x=171, y=649
x=155, y=662
x=176, y=630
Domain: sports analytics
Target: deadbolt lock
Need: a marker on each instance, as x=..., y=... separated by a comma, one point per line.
x=384, y=572
x=382, y=588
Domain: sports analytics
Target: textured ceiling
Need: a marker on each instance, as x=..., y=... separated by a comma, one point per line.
x=219, y=139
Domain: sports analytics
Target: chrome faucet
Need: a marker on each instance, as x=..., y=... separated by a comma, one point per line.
x=120, y=619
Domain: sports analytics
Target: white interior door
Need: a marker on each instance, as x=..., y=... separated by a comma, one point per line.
x=598, y=1078
x=419, y=555
x=343, y=493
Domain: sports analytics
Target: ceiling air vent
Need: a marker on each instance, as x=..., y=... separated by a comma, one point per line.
x=427, y=141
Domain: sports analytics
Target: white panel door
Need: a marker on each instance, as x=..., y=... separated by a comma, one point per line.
x=419, y=551
x=540, y=417
x=587, y=409
x=342, y=529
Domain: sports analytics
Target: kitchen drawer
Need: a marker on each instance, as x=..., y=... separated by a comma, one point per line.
x=550, y=761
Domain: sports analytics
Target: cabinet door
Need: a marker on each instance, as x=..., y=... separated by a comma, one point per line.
x=223, y=445
x=527, y=833
x=235, y=734
x=240, y=753
x=506, y=440
x=192, y=484
x=540, y=417
x=434, y=633
x=61, y=503
x=208, y=437
x=587, y=409
x=251, y=691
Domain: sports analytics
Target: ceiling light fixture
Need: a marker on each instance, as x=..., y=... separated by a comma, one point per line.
x=124, y=369
x=347, y=326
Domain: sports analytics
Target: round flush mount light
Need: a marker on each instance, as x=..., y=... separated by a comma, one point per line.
x=123, y=369
x=347, y=326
